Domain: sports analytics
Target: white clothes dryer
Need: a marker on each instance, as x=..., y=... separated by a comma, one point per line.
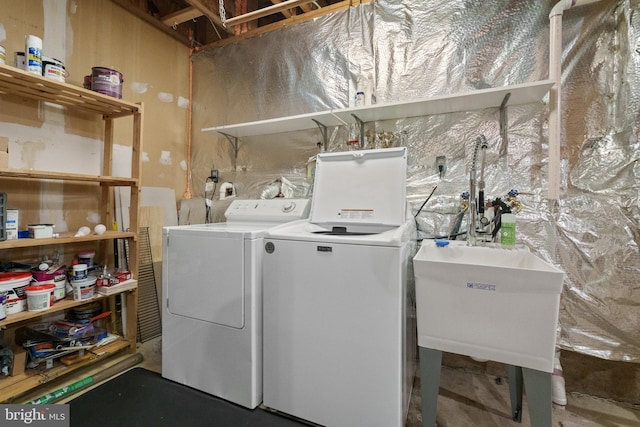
x=212, y=299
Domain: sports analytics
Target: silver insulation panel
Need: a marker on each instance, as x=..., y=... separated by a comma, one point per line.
x=416, y=48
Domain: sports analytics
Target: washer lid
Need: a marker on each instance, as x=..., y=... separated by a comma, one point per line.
x=366, y=187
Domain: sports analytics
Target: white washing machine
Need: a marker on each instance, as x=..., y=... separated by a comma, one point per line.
x=212, y=299
x=339, y=312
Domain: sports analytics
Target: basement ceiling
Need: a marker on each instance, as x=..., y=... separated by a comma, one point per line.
x=201, y=24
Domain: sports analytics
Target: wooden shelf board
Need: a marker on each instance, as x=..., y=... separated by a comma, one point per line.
x=58, y=306
x=486, y=98
x=64, y=176
x=18, y=82
x=65, y=238
x=11, y=387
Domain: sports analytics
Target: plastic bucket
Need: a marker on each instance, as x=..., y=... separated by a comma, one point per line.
x=3, y=304
x=40, y=297
x=83, y=289
x=86, y=258
x=79, y=272
x=57, y=277
x=14, y=284
x=106, y=81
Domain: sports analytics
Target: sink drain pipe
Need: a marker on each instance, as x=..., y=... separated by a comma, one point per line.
x=559, y=395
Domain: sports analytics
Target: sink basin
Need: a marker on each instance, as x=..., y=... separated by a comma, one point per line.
x=488, y=302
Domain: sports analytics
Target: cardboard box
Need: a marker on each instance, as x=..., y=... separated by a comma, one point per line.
x=19, y=361
x=11, y=227
x=4, y=160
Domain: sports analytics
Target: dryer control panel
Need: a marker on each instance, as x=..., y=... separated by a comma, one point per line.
x=277, y=210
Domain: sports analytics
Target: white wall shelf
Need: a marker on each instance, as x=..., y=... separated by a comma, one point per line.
x=520, y=94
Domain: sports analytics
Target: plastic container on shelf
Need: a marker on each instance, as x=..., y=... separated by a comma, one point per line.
x=40, y=297
x=83, y=289
x=79, y=272
x=3, y=304
x=86, y=258
x=15, y=283
x=57, y=276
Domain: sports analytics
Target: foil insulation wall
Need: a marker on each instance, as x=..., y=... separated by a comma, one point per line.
x=416, y=48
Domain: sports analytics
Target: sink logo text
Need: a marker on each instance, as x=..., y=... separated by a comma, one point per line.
x=481, y=286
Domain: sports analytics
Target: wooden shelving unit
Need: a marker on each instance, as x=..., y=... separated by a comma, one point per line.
x=19, y=83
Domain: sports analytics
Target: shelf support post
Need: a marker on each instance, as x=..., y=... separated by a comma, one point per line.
x=504, y=126
x=361, y=126
x=233, y=140
x=323, y=131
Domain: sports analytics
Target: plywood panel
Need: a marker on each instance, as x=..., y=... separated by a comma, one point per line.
x=153, y=217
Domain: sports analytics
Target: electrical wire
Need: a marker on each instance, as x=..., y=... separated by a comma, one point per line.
x=425, y=202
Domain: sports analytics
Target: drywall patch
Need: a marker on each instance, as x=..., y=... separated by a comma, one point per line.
x=138, y=87
x=29, y=150
x=145, y=157
x=165, y=97
x=183, y=102
x=183, y=165
x=165, y=158
x=55, y=26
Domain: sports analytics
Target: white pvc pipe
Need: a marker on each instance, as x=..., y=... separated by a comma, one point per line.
x=555, y=103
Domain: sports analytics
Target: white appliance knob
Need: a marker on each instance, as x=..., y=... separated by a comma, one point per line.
x=288, y=207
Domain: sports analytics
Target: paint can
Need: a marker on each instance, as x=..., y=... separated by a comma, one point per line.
x=3, y=55
x=57, y=277
x=4, y=295
x=86, y=258
x=106, y=81
x=79, y=272
x=18, y=58
x=33, y=54
x=87, y=82
x=40, y=297
x=83, y=289
x=14, y=283
x=53, y=69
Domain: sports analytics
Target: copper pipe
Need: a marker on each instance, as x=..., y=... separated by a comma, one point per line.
x=187, y=194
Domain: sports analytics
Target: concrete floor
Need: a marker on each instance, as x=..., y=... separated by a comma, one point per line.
x=471, y=394
x=476, y=395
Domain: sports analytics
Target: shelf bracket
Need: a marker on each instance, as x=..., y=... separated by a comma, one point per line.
x=323, y=131
x=504, y=125
x=233, y=140
x=361, y=126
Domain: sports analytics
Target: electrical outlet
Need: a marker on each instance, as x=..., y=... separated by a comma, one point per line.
x=214, y=175
x=441, y=165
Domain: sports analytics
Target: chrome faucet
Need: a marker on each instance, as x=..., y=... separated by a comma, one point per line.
x=476, y=202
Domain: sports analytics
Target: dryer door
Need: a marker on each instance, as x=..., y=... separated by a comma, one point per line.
x=205, y=276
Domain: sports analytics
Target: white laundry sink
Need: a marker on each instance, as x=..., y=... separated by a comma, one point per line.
x=488, y=302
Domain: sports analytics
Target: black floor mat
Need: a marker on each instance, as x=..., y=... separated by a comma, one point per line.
x=142, y=398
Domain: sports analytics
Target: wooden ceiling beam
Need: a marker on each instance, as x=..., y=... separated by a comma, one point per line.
x=207, y=8
x=126, y=5
x=266, y=11
x=180, y=16
x=336, y=7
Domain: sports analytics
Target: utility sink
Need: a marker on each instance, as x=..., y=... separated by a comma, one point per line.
x=488, y=302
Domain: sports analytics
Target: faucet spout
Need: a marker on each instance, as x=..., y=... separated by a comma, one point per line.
x=474, y=200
